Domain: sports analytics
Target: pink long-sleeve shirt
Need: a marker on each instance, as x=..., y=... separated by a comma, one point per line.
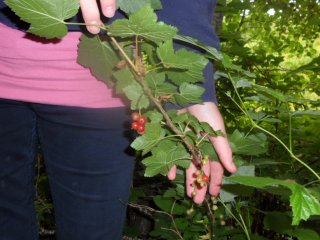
x=43, y=71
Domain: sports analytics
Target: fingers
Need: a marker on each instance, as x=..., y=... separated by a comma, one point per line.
x=172, y=173
x=209, y=112
x=108, y=7
x=223, y=149
x=91, y=15
x=216, y=175
x=190, y=178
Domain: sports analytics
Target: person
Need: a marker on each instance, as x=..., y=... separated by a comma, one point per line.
x=47, y=99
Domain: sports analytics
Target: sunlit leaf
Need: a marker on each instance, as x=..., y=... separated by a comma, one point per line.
x=46, y=17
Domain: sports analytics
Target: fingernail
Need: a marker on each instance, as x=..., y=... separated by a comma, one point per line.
x=94, y=29
x=109, y=11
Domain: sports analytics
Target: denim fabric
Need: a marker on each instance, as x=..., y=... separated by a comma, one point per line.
x=88, y=165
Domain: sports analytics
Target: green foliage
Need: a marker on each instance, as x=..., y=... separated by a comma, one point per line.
x=164, y=156
x=93, y=51
x=190, y=62
x=303, y=203
x=151, y=30
x=46, y=17
x=268, y=85
x=130, y=7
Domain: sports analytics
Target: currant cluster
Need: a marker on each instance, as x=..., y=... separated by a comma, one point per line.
x=201, y=179
x=138, y=123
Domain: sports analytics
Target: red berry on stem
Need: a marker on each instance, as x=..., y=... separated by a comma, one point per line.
x=142, y=120
x=140, y=129
x=135, y=125
x=135, y=116
x=205, y=178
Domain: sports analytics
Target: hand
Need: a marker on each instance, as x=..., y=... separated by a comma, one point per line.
x=209, y=112
x=91, y=14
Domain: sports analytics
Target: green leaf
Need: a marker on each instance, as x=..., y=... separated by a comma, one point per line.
x=257, y=182
x=135, y=94
x=153, y=135
x=166, y=89
x=241, y=83
x=182, y=223
x=277, y=221
x=264, y=90
x=143, y=23
x=46, y=17
x=206, y=148
x=231, y=190
x=170, y=193
x=211, y=50
x=161, y=88
x=182, y=65
x=124, y=78
x=304, y=234
x=97, y=55
x=169, y=205
x=188, y=93
x=155, y=79
x=307, y=112
x=129, y=6
x=155, y=116
x=227, y=63
x=163, y=159
x=303, y=203
x=248, y=145
x=206, y=128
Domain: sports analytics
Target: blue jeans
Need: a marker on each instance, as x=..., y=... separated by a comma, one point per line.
x=89, y=169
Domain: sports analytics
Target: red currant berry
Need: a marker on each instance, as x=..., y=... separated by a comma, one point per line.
x=205, y=178
x=142, y=120
x=140, y=129
x=135, y=125
x=135, y=116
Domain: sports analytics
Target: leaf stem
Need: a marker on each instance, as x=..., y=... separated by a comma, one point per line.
x=132, y=65
x=241, y=224
x=255, y=125
x=290, y=132
x=141, y=79
x=211, y=218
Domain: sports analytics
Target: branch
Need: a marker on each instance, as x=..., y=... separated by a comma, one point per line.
x=139, y=74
